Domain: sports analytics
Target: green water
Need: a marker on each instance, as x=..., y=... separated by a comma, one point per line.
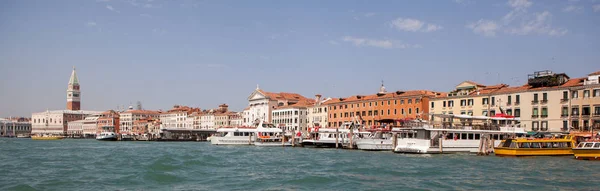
x=95, y=165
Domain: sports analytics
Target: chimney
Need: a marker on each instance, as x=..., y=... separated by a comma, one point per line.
x=317, y=98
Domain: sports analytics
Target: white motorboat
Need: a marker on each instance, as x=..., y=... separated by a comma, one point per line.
x=431, y=140
x=234, y=136
x=377, y=140
x=107, y=136
x=327, y=138
x=271, y=137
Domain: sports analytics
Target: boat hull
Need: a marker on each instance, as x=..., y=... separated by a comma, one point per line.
x=231, y=141
x=272, y=144
x=586, y=154
x=46, y=138
x=374, y=144
x=500, y=151
x=321, y=144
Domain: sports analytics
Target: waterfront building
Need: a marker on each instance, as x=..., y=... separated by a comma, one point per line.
x=146, y=125
x=56, y=122
x=584, y=104
x=90, y=124
x=108, y=121
x=381, y=108
x=291, y=117
x=236, y=119
x=128, y=117
x=176, y=118
x=75, y=128
x=317, y=113
x=262, y=103
x=12, y=127
x=549, y=102
x=207, y=119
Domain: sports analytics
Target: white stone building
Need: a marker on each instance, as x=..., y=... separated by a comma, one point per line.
x=261, y=104
x=10, y=128
x=56, y=122
x=291, y=118
x=207, y=120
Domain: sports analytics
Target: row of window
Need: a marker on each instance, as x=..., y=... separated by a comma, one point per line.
x=389, y=102
x=280, y=121
x=372, y=113
x=279, y=113
x=586, y=94
x=18, y=128
x=585, y=110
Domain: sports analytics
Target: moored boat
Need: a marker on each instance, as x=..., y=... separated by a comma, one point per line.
x=587, y=150
x=107, y=136
x=234, y=136
x=46, y=137
x=375, y=140
x=555, y=146
x=470, y=135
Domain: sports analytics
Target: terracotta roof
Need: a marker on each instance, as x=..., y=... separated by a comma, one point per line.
x=142, y=112
x=385, y=95
x=595, y=73
x=489, y=89
x=282, y=95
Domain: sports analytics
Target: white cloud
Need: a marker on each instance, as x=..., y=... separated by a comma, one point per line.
x=519, y=4
x=540, y=24
x=111, y=8
x=146, y=15
x=413, y=25
x=91, y=24
x=596, y=7
x=572, y=8
x=370, y=14
x=432, y=27
x=333, y=42
x=484, y=27
x=387, y=44
x=368, y=42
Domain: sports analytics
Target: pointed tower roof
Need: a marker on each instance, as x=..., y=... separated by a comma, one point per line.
x=73, y=80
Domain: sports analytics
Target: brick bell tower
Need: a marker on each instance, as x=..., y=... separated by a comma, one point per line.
x=73, y=93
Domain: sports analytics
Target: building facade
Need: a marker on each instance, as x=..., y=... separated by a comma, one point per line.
x=381, y=108
x=261, y=104
x=317, y=113
x=128, y=117
x=108, y=121
x=549, y=102
x=56, y=122
x=291, y=118
x=13, y=128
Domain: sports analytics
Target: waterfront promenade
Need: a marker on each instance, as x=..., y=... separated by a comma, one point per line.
x=95, y=165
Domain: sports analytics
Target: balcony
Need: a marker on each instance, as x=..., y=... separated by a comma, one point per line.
x=544, y=101
x=564, y=115
x=544, y=116
x=508, y=103
x=596, y=114
x=534, y=116
x=534, y=102
x=564, y=100
x=517, y=103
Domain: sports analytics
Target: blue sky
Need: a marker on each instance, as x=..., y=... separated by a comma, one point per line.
x=203, y=53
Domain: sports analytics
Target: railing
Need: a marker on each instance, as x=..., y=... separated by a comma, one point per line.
x=544, y=101
x=517, y=103
x=544, y=116
x=564, y=100
x=508, y=104
x=564, y=115
x=534, y=116
x=534, y=102
x=596, y=114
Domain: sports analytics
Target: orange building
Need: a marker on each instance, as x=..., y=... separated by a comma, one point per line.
x=108, y=122
x=379, y=108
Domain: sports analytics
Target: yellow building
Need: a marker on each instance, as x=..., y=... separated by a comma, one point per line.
x=549, y=102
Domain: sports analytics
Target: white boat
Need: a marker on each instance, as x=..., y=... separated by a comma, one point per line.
x=106, y=136
x=271, y=137
x=327, y=138
x=431, y=140
x=375, y=141
x=234, y=136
